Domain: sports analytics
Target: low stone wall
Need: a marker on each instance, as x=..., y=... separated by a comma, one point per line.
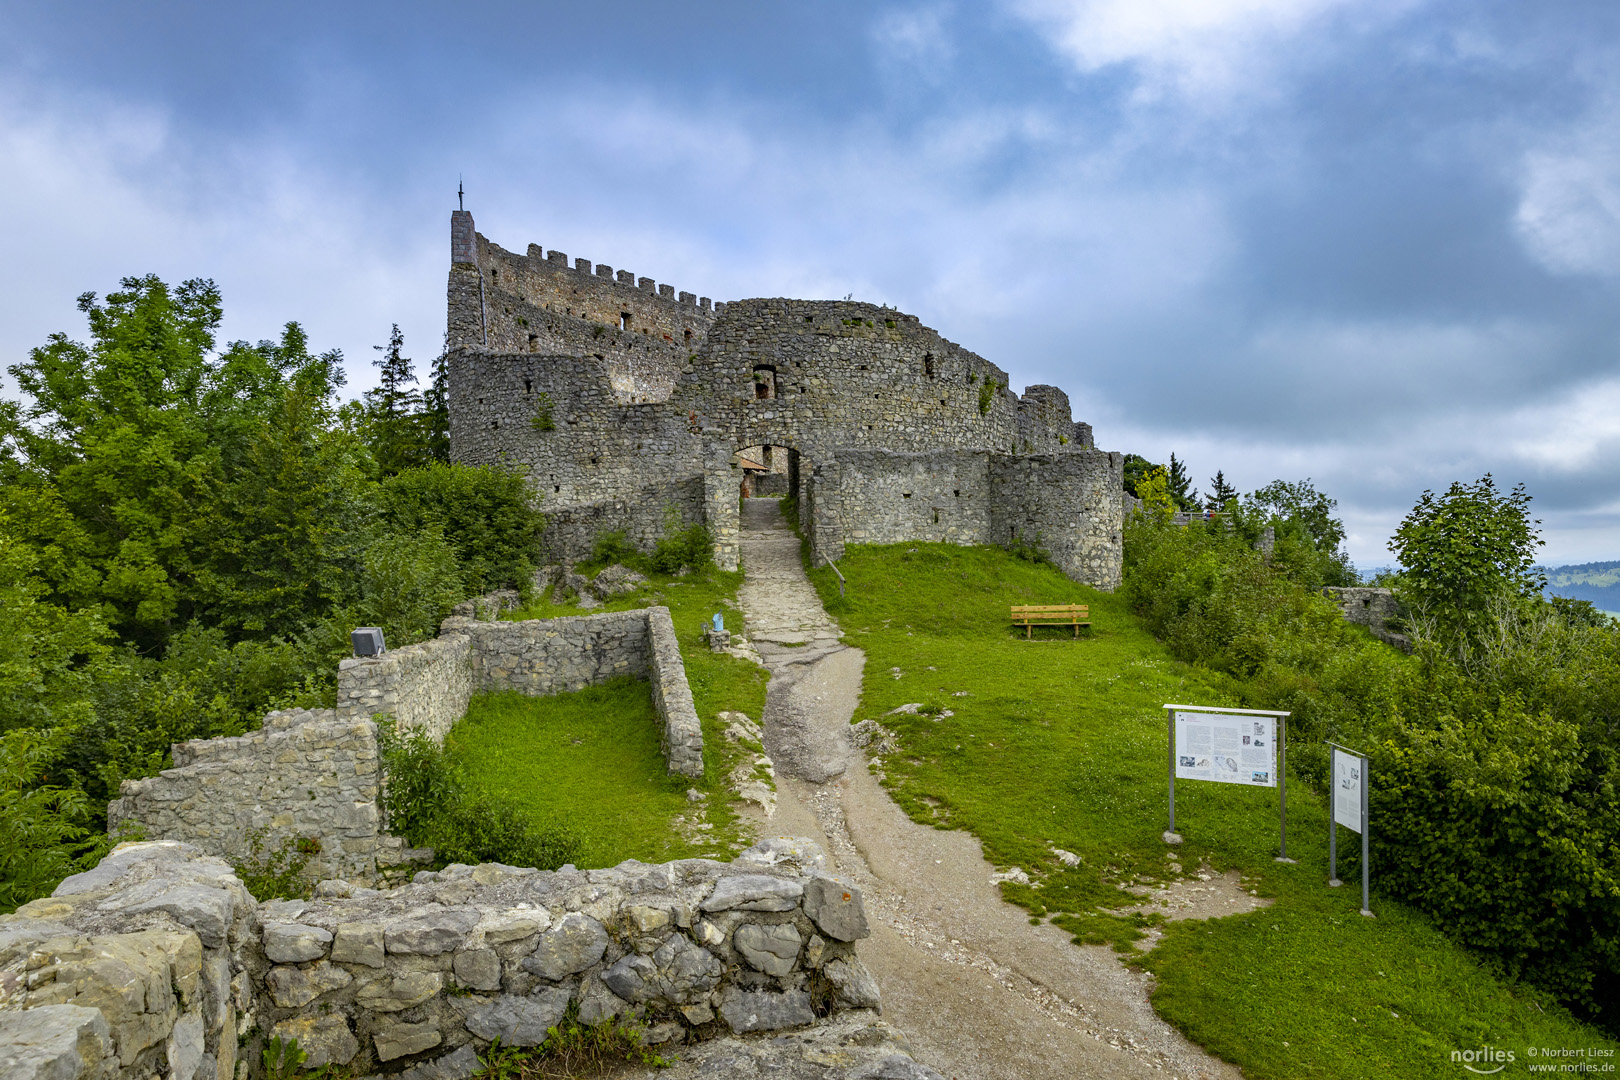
x=424, y=686
x=672, y=696
x=1376, y=609
x=305, y=775
x=313, y=776
x=158, y=962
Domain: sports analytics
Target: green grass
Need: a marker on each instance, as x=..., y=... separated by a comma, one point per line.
x=592, y=758
x=1062, y=743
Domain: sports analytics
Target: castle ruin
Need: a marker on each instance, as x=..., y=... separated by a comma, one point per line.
x=631, y=407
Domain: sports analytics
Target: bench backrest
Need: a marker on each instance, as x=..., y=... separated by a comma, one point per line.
x=1049, y=611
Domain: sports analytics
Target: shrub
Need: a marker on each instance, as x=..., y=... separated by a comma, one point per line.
x=689, y=549
x=426, y=800
x=485, y=514
x=1502, y=826
x=44, y=826
x=612, y=547
x=411, y=581
x=277, y=874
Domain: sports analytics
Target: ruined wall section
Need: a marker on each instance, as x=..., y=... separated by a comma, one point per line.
x=844, y=375
x=425, y=686
x=879, y=497
x=559, y=419
x=1068, y=504
x=158, y=962
x=303, y=776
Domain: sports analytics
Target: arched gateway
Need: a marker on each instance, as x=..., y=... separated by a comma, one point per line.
x=627, y=406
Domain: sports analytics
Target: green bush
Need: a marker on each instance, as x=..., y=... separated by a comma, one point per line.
x=411, y=582
x=612, y=547
x=1502, y=826
x=426, y=800
x=43, y=826
x=485, y=514
x=689, y=549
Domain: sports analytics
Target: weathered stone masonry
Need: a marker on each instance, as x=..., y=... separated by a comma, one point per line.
x=624, y=405
x=159, y=963
x=314, y=774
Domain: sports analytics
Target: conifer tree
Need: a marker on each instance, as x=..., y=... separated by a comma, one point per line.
x=394, y=409
x=1220, y=492
x=436, y=409
x=1185, y=497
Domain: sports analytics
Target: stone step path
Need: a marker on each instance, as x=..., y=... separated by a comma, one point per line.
x=980, y=993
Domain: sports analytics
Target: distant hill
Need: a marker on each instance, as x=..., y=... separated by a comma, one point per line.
x=1598, y=582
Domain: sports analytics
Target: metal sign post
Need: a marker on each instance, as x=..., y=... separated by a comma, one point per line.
x=1223, y=745
x=1349, y=776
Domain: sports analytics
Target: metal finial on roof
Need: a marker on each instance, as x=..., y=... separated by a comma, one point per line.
x=461, y=200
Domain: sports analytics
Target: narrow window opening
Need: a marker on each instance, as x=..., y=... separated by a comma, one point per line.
x=494, y=423
x=689, y=335
x=624, y=320
x=528, y=384
x=958, y=494
x=1013, y=531
x=494, y=275
x=556, y=488
x=936, y=515
x=928, y=365
x=534, y=342
x=905, y=494
x=764, y=382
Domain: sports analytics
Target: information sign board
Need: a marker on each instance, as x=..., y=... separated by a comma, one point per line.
x=1348, y=778
x=1226, y=748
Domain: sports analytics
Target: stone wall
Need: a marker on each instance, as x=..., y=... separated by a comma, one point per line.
x=1069, y=505
x=314, y=775
x=158, y=962
x=877, y=497
x=304, y=776
x=1376, y=609
x=423, y=686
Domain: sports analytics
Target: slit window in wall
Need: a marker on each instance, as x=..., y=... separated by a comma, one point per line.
x=905, y=494
x=494, y=275
x=958, y=493
x=689, y=335
x=928, y=365
x=528, y=384
x=936, y=515
x=624, y=320
x=764, y=382
x=534, y=342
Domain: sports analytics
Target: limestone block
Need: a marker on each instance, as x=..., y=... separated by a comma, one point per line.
x=293, y=943
x=597, y=1003
x=325, y=1037
x=677, y=971
x=400, y=1040
x=54, y=1042
x=514, y=926
x=440, y=930
x=762, y=1010
x=206, y=910
x=459, y=1064
x=771, y=949
x=291, y=987
x=185, y=1047
x=400, y=992
x=855, y=985
x=836, y=907
x=754, y=892
x=359, y=943
x=519, y=1021
x=478, y=969
x=574, y=944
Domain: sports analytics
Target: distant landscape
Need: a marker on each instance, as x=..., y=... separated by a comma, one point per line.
x=1598, y=582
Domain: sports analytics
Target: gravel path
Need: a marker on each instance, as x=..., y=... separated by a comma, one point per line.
x=980, y=993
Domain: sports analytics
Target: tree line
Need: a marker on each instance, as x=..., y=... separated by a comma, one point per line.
x=189, y=530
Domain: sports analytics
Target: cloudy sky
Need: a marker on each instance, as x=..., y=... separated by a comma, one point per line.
x=1372, y=242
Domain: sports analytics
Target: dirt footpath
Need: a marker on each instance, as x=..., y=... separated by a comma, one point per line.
x=981, y=994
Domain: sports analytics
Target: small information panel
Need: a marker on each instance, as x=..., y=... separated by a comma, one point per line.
x=1349, y=774
x=1226, y=748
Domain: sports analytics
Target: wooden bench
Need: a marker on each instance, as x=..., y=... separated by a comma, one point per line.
x=1029, y=616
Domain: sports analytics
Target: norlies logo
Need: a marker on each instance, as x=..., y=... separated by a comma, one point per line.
x=1481, y=1061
